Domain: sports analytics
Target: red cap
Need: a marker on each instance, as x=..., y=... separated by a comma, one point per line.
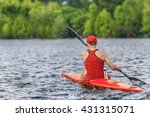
x=91, y=39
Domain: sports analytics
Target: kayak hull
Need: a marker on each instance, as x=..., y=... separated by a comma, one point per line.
x=102, y=83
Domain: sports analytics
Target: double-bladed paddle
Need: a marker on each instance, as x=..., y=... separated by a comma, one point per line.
x=133, y=78
x=77, y=35
x=130, y=78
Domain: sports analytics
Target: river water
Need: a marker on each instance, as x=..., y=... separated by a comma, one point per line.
x=30, y=69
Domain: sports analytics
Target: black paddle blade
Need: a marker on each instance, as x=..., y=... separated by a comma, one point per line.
x=137, y=81
x=77, y=35
x=133, y=79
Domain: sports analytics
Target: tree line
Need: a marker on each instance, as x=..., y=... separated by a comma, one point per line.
x=49, y=18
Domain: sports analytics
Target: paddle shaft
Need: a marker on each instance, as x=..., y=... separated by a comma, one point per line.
x=77, y=35
x=80, y=38
x=124, y=74
x=131, y=78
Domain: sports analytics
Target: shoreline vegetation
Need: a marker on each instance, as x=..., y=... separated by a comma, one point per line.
x=21, y=19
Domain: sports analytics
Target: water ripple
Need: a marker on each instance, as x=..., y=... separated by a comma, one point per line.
x=30, y=69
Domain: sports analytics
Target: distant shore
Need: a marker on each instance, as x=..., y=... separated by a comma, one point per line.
x=49, y=18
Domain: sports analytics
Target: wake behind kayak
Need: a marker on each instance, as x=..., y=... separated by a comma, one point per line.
x=102, y=83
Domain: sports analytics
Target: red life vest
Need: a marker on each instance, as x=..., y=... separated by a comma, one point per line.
x=94, y=66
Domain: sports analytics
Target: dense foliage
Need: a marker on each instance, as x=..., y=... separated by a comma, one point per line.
x=49, y=18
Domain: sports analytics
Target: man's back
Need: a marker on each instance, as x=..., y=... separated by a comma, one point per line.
x=94, y=65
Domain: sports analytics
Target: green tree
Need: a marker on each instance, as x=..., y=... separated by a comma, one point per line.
x=109, y=5
x=21, y=28
x=146, y=17
x=48, y=18
x=104, y=24
x=10, y=7
x=68, y=13
x=59, y=27
x=88, y=28
x=6, y=30
x=1, y=22
x=6, y=25
x=85, y=4
x=119, y=22
x=74, y=17
x=42, y=18
x=78, y=21
x=89, y=24
x=25, y=7
x=75, y=3
x=128, y=17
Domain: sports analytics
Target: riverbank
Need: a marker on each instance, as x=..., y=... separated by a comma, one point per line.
x=47, y=19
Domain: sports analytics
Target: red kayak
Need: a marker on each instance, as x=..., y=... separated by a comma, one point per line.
x=102, y=83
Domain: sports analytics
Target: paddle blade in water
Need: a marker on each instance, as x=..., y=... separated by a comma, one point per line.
x=136, y=81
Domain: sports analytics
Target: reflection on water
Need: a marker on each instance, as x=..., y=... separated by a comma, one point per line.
x=30, y=69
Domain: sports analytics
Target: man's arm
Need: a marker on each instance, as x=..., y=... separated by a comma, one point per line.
x=84, y=71
x=110, y=64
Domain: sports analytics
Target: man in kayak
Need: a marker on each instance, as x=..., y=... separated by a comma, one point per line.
x=94, y=60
